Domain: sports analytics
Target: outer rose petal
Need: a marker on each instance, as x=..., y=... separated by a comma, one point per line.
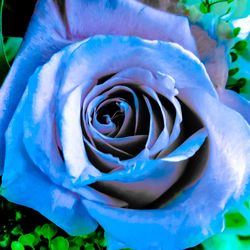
x=53, y=201
x=58, y=23
x=212, y=55
x=236, y=102
x=192, y=216
x=169, y=5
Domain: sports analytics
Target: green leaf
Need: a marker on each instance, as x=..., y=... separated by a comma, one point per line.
x=233, y=71
x=234, y=56
x=48, y=231
x=15, y=245
x=241, y=82
x=240, y=45
x=204, y=8
x=102, y=242
x=17, y=230
x=38, y=230
x=18, y=216
x=247, y=204
x=75, y=248
x=236, y=85
x=236, y=31
x=77, y=240
x=4, y=240
x=11, y=46
x=59, y=243
x=89, y=246
x=234, y=219
x=27, y=240
x=37, y=238
x=230, y=1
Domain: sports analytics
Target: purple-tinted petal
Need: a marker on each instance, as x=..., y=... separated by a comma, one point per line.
x=157, y=138
x=53, y=201
x=188, y=148
x=103, y=161
x=197, y=213
x=54, y=25
x=142, y=182
x=68, y=121
x=162, y=228
x=181, y=223
x=236, y=102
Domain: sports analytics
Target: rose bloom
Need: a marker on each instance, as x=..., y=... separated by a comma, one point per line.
x=109, y=116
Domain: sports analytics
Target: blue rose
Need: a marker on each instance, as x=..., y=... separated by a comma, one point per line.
x=110, y=118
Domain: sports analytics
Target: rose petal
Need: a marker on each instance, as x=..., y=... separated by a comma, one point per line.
x=197, y=213
x=53, y=27
x=188, y=148
x=172, y=58
x=137, y=225
x=141, y=183
x=54, y=202
x=233, y=160
x=212, y=55
x=192, y=213
x=236, y=102
x=158, y=134
x=68, y=120
x=39, y=119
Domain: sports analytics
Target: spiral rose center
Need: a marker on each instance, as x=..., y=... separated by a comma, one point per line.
x=133, y=116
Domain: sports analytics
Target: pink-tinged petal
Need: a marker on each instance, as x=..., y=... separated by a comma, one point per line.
x=212, y=55
x=217, y=67
x=236, y=102
x=169, y=5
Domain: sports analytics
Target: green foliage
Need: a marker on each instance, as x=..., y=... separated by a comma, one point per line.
x=48, y=231
x=236, y=31
x=234, y=56
x=220, y=7
x=15, y=245
x=20, y=232
x=233, y=71
x=204, y=8
x=236, y=81
x=59, y=243
x=240, y=45
x=4, y=240
x=235, y=219
x=27, y=240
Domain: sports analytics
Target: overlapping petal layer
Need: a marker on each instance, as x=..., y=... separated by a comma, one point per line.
x=104, y=142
